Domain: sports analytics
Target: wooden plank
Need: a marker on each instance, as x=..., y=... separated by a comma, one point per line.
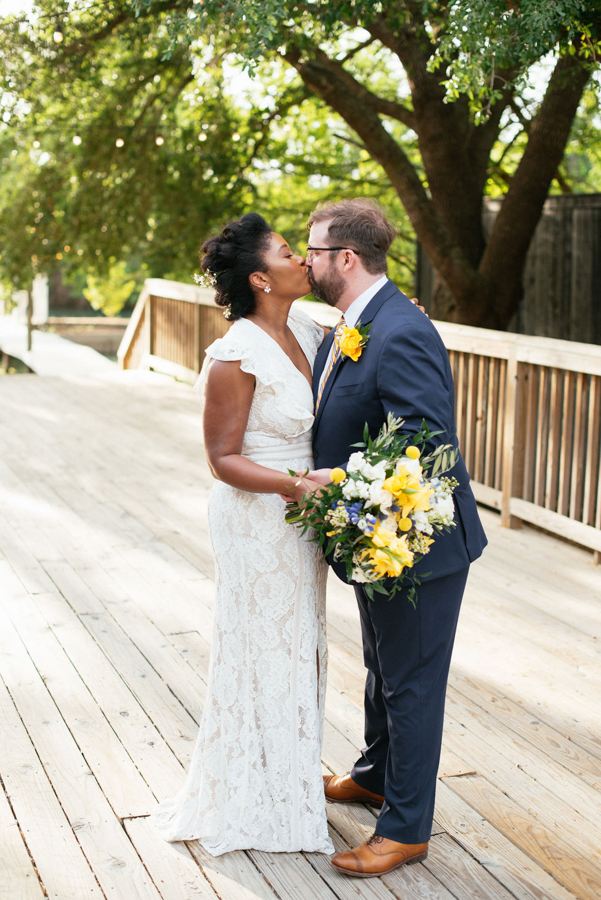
x=538, y=433
x=554, y=444
x=511, y=866
x=498, y=484
x=461, y=873
x=233, y=876
x=174, y=871
x=110, y=854
x=547, y=777
x=551, y=521
x=526, y=832
x=292, y=877
x=567, y=436
x=58, y=857
x=530, y=454
x=66, y=647
x=578, y=454
x=592, y=474
x=104, y=753
x=18, y=877
x=542, y=736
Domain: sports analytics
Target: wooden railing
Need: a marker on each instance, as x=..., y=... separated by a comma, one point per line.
x=528, y=408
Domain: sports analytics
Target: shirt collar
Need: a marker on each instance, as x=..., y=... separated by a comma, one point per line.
x=353, y=313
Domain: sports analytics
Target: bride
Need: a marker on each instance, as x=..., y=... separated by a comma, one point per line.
x=255, y=780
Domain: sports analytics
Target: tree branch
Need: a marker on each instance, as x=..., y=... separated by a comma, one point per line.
x=549, y=131
x=389, y=108
x=443, y=250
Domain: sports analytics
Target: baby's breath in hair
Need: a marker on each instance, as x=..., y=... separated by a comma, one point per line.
x=206, y=280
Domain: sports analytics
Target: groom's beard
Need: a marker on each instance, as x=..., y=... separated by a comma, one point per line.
x=329, y=288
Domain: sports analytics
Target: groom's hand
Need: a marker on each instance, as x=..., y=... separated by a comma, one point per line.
x=321, y=476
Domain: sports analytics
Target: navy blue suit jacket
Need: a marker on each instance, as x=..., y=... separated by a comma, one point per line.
x=404, y=369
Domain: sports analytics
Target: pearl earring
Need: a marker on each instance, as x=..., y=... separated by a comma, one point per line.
x=267, y=289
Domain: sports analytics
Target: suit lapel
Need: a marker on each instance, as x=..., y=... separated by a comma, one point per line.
x=369, y=314
x=374, y=305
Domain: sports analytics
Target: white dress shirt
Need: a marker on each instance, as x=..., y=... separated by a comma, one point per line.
x=353, y=314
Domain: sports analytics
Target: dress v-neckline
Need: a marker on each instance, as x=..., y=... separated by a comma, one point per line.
x=300, y=347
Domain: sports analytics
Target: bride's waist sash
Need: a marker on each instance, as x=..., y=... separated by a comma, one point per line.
x=280, y=453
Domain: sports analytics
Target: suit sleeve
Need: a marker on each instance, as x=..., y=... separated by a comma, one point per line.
x=414, y=381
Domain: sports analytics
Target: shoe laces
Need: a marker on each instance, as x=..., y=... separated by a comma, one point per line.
x=375, y=839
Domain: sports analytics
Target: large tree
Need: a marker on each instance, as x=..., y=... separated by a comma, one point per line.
x=455, y=74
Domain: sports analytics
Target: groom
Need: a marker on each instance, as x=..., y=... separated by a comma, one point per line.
x=404, y=369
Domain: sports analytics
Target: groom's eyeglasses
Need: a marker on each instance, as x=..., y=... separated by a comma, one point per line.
x=312, y=249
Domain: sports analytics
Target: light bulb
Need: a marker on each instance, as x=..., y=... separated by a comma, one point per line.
x=58, y=35
x=159, y=140
x=36, y=145
x=76, y=140
x=119, y=142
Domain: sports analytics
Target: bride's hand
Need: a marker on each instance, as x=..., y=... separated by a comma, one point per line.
x=295, y=492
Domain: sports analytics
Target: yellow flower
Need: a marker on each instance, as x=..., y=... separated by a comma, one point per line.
x=405, y=524
x=382, y=534
x=393, y=484
x=400, y=549
x=383, y=564
x=349, y=341
x=392, y=560
x=412, y=452
x=337, y=475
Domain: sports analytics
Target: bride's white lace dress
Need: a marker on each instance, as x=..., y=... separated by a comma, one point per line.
x=255, y=780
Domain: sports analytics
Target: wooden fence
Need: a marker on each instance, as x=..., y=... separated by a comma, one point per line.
x=562, y=276
x=528, y=408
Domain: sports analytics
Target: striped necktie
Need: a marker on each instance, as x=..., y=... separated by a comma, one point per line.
x=332, y=359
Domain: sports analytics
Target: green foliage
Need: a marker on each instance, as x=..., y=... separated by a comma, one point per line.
x=111, y=293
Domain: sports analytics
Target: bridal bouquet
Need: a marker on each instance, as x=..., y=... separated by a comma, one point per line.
x=382, y=515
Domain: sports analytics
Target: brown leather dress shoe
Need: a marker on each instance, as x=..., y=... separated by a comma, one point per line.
x=342, y=789
x=378, y=856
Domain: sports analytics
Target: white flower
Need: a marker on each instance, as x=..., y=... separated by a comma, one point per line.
x=355, y=462
x=373, y=473
x=375, y=493
x=355, y=490
x=386, y=499
x=443, y=508
x=422, y=522
x=359, y=576
x=412, y=465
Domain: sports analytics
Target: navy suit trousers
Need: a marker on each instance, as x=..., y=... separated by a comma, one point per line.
x=407, y=654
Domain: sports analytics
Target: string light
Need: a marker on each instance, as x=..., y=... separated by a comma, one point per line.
x=159, y=141
x=76, y=140
x=119, y=142
x=36, y=145
x=58, y=35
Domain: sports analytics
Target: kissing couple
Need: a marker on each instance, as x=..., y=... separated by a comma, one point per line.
x=278, y=395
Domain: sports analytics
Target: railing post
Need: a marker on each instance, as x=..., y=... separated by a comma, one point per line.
x=513, y=441
x=150, y=306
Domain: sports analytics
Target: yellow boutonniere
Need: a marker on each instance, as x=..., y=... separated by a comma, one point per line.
x=351, y=341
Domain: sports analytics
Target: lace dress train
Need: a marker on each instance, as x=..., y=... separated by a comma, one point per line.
x=255, y=780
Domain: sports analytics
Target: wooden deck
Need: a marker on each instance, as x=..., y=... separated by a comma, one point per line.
x=105, y=626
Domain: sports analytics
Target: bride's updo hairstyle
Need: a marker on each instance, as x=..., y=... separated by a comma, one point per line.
x=231, y=257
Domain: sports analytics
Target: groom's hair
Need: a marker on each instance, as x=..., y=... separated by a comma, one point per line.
x=360, y=225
